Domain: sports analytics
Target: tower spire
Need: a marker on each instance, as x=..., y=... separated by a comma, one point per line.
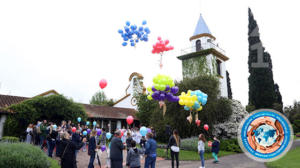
x=201, y=29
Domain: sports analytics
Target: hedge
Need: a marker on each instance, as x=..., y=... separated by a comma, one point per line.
x=10, y=139
x=20, y=155
x=231, y=145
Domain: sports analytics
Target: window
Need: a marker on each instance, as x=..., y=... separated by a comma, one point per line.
x=219, y=67
x=209, y=40
x=198, y=45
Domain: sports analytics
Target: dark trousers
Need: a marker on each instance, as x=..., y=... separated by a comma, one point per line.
x=150, y=162
x=92, y=158
x=116, y=163
x=175, y=154
x=51, y=147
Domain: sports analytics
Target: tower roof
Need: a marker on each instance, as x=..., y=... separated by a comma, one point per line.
x=201, y=29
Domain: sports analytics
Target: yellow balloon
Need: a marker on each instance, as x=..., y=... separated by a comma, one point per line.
x=194, y=97
x=182, y=93
x=189, y=92
x=200, y=108
x=181, y=102
x=149, y=97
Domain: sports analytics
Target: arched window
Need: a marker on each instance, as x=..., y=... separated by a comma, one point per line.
x=219, y=67
x=198, y=45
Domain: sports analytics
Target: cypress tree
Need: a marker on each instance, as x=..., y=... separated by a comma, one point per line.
x=261, y=83
x=228, y=85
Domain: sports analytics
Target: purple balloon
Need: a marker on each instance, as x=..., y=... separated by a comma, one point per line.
x=153, y=89
x=88, y=131
x=103, y=148
x=167, y=88
x=174, y=89
x=162, y=96
x=149, y=130
x=98, y=131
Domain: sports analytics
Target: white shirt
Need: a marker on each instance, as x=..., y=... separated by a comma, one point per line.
x=201, y=145
x=28, y=130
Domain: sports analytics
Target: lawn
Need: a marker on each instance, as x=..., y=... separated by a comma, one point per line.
x=191, y=155
x=290, y=160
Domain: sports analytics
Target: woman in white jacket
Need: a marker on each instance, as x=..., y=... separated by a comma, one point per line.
x=201, y=145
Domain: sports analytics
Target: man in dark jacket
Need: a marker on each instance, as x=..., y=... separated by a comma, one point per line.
x=150, y=153
x=76, y=139
x=116, y=151
x=92, y=148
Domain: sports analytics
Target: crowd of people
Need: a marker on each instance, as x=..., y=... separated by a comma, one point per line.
x=68, y=142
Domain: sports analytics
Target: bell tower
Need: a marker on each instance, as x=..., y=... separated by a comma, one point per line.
x=204, y=56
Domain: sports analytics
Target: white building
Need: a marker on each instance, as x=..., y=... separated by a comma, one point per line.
x=204, y=56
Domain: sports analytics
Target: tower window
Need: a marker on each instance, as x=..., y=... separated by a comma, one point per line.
x=219, y=67
x=198, y=45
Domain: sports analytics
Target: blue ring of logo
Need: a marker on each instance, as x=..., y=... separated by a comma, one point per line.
x=286, y=129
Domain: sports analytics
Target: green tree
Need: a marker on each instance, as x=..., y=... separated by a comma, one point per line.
x=261, y=84
x=99, y=98
x=145, y=109
x=53, y=108
x=228, y=86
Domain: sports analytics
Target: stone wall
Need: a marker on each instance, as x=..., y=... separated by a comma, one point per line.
x=229, y=128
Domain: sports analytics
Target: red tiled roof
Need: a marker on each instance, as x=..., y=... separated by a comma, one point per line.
x=7, y=100
x=96, y=111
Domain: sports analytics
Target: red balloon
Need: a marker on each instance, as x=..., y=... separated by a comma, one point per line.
x=167, y=42
x=171, y=47
x=74, y=129
x=122, y=133
x=198, y=122
x=159, y=38
x=103, y=83
x=129, y=120
x=206, y=127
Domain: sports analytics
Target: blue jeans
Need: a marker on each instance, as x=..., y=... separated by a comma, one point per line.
x=202, y=157
x=51, y=148
x=92, y=158
x=150, y=161
x=42, y=141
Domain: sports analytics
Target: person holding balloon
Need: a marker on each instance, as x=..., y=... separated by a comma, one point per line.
x=201, y=146
x=92, y=148
x=51, y=138
x=150, y=152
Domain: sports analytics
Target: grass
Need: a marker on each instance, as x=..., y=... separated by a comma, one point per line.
x=54, y=163
x=191, y=155
x=290, y=160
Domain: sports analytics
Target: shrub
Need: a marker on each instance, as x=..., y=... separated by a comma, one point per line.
x=54, y=163
x=230, y=145
x=20, y=155
x=10, y=139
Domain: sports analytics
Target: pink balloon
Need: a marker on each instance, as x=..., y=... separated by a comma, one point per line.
x=74, y=129
x=129, y=120
x=206, y=127
x=167, y=42
x=159, y=38
x=171, y=47
x=103, y=83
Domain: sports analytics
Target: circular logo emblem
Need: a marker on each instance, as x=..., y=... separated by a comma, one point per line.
x=265, y=135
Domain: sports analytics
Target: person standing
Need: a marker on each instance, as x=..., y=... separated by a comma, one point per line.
x=51, y=138
x=215, y=149
x=201, y=145
x=103, y=137
x=128, y=141
x=38, y=133
x=116, y=150
x=68, y=148
x=92, y=149
x=133, y=156
x=29, y=133
x=76, y=139
x=143, y=142
x=174, y=145
x=150, y=152
x=43, y=129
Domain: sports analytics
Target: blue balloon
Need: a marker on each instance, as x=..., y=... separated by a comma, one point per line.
x=124, y=44
x=87, y=123
x=78, y=119
x=204, y=100
x=108, y=135
x=120, y=31
x=141, y=28
x=132, y=44
x=146, y=39
x=143, y=131
x=126, y=29
x=131, y=40
x=94, y=123
x=84, y=133
x=125, y=38
x=54, y=127
x=136, y=40
x=127, y=23
x=144, y=22
x=186, y=108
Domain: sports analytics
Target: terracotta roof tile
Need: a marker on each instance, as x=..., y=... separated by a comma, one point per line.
x=7, y=100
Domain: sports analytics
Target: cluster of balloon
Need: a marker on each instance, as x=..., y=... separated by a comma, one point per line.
x=108, y=135
x=143, y=131
x=133, y=34
x=160, y=47
x=98, y=131
x=102, y=83
x=163, y=89
x=129, y=120
x=78, y=119
x=193, y=100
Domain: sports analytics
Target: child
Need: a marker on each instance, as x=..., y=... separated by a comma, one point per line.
x=143, y=142
x=133, y=157
x=201, y=149
x=215, y=149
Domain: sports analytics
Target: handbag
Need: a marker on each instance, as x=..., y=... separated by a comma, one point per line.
x=175, y=148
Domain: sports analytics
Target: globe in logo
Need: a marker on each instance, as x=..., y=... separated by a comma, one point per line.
x=265, y=135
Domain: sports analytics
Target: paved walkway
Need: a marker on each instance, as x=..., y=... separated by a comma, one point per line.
x=231, y=161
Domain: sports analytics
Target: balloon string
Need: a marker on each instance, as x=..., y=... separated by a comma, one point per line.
x=160, y=62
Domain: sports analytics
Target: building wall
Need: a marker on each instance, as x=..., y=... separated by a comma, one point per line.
x=126, y=103
x=2, y=120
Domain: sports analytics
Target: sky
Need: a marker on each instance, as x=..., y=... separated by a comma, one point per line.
x=69, y=46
